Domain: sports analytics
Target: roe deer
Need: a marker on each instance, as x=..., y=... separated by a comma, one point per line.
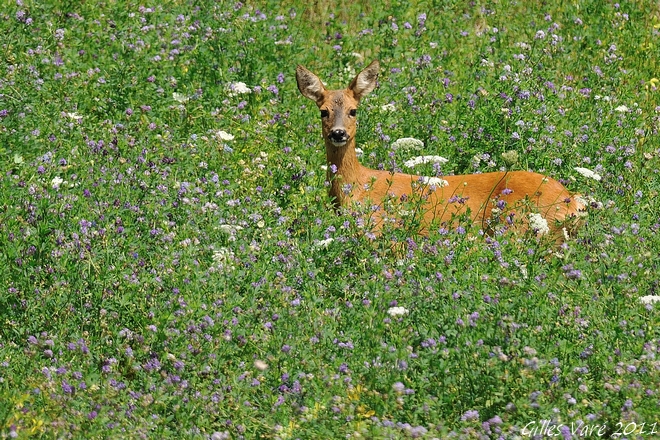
x=534, y=198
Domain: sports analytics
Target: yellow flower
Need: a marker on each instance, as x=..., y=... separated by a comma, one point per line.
x=365, y=412
x=354, y=393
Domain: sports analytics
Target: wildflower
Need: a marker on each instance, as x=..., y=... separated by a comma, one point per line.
x=273, y=89
x=398, y=387
x=410, y=163
x=510, y=157
x=180, y=97
x=230, y=229
x=621, y=109
x=397, y=311
x=538, y=223
x=74, y=116
x=224, y=136
x=388, y=107
x=260, y=365
x=434, y=181
x=650, y=299
x=588, y=173
x=470, y=415
x=571, y=273
x=223, y=257
x=405, y=143
x=56, y=182
x=237, y=88
x=322, y=244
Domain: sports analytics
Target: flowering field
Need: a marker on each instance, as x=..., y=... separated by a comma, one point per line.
x=172, y=266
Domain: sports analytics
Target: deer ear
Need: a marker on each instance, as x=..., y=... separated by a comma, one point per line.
x=309, y=84
x=365, y=81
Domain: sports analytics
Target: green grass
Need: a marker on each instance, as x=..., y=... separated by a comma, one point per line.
x=130, y=309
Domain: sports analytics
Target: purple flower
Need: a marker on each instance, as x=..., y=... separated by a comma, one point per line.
x=429, y=343
x=470, y=415
x=398, y=387
x=280, y=78
x=66, y=387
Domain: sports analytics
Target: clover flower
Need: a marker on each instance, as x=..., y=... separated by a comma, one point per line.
x=470, y=415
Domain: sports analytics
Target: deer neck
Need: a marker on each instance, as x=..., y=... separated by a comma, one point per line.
x=348, y=171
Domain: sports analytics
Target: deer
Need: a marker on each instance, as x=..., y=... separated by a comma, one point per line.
x=541, y=203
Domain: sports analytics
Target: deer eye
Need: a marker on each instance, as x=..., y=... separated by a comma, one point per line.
x=325, y=113
x=352, y=112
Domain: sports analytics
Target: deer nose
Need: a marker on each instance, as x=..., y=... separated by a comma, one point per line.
x=338, y=135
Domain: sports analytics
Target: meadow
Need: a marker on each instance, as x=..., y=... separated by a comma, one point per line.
x=171, y=265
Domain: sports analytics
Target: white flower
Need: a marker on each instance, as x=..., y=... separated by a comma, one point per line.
x=180, y=97
x=359, y=56
x=621, y=108
x=322, y=244
x=434, y=181
x=223, y=258
x=410, y=163
x=230, y=229
x=388, y=107
x=397, y=311
x=260, y=365
x=359, y=152
x=74, y=116
x=538, y=223
x=650, y=299
x=238, y=88
x=56, y=182
x=404, y=143
x=586, y=172
x=224, y=136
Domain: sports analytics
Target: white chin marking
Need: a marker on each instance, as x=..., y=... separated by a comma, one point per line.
x=338, y=144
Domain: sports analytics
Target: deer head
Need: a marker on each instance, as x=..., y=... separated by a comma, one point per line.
x=338, y=107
